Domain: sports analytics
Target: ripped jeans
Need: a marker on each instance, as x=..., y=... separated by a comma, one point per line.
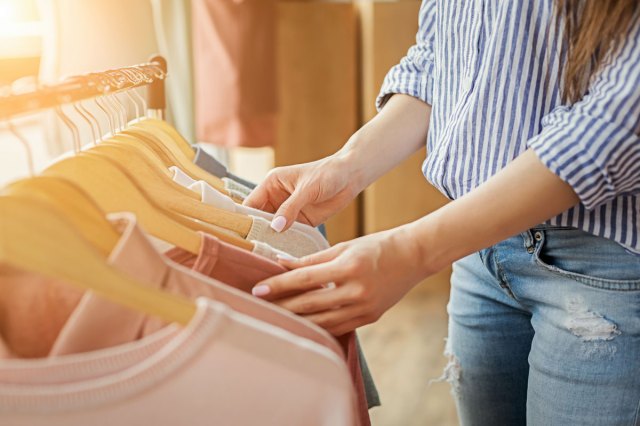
x=544, y=329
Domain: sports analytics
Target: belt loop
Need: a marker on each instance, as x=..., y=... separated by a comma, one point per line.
x=527, y=238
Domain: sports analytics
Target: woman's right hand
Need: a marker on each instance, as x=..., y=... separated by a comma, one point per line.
x=309, y=193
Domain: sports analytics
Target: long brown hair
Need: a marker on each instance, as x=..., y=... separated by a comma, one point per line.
x=592, y=29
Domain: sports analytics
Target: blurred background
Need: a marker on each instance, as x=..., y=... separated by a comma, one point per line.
x=259, y=84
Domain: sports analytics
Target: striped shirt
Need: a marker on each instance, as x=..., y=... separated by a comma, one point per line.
x=490, y=71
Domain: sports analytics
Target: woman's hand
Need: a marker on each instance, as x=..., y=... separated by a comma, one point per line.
x=309, y=193
x=312, y=192
x=371, y=274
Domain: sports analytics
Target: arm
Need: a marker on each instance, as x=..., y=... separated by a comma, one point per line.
x=374, y=272
x=398, y=131
x=312, y=192
x=588, y=152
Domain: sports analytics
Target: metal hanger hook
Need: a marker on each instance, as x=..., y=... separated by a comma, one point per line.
x=94, y=120
x=71, y=126
x=23, y=141
x=133, y=81
x=98, y=101
x=81, y=113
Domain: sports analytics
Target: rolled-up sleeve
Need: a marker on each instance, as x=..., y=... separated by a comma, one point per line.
x=593, y=145
x=414, y=74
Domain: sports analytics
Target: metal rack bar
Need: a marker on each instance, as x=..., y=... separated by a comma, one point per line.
x=81, y=87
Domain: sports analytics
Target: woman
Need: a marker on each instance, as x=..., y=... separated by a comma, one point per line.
x=532, y=111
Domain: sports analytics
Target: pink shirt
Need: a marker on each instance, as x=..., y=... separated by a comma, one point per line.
x=97, y=323
x=242, y=269
x=222, y=368
x=109, y=364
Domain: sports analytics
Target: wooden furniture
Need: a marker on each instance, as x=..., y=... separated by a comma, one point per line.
x=318, y=79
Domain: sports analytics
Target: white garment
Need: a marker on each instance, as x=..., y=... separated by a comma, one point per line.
x=299, y=240
x=222, y=368
x=265, y=250
x=235, y=187
x=259, y=248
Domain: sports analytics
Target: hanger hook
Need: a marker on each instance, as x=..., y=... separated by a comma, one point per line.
x=87, y=120
x=25, y=144
x=131, y=79
x=108, y=98
x=98, y=101
x=108, y=101
x=94, y=121
x=120, y=110
x=143, y=78
x=71, y=126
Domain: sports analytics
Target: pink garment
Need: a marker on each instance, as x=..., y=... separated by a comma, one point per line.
x=33, y=309
x=242, y=269
x=97, y=323
x=235, y=71
x=222, y=368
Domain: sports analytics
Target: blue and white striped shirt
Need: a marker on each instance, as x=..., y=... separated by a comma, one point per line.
x=489, y=69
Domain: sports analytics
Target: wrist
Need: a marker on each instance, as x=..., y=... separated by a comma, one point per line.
x=354, y=164
x=426, y=240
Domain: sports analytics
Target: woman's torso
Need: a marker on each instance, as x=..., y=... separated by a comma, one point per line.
x=497, y=74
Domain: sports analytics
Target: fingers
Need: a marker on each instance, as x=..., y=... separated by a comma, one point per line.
x=340, y=321
x=321, y=300
x=297, y=281
x=312, y=259
x=348, y=326
x=289, y=210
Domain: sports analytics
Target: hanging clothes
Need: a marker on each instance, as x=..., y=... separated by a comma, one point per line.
x=235, y=71
x=209, y=163
x=255, y=270
x=201, y=374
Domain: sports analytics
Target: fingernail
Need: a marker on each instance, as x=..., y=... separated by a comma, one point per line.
x=286, y=256
x=278, y=223
x=260, y=290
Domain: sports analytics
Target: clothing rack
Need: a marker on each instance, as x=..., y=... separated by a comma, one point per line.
x=87, y=86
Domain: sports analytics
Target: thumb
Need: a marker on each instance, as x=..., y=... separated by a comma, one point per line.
x=288, y=211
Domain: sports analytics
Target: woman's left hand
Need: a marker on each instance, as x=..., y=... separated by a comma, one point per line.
x=371, y=274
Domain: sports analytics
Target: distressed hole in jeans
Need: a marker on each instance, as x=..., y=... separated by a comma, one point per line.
x=452, y=371
x=590, y=326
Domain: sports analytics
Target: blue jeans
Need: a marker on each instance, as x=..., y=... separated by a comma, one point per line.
x=544, y=329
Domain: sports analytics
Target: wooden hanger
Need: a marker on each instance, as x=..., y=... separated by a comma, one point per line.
x=114, y=192
x=170, y=131
x=35, y=238
x=134, y=144
x=135, y=161
x=174, y=156
x=167, y=193
x=74, y=204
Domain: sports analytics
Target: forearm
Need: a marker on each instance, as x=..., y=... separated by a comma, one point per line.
x=398, y=131
x=523, y=194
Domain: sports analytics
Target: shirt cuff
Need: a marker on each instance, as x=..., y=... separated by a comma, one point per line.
x=585, y=155
x=419, y=85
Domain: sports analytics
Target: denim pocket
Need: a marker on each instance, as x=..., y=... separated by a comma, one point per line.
x=586, y=258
